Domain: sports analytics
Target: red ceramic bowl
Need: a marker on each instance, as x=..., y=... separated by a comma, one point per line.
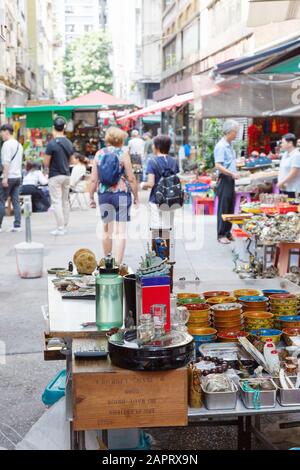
x=292, y=331
x=232, y=336
x=197, y=307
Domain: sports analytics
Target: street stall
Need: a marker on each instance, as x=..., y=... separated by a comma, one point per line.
x=193, y=357
x=87, y=119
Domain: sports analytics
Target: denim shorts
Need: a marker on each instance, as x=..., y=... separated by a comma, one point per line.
x=115, y=207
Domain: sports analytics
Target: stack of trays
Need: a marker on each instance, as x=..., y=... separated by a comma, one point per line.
x=199, y=315
x=228, y=317
x=257, y=320
x=283, y=305
x=254, y=303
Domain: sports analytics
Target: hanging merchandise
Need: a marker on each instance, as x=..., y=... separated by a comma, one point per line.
x=274, y=126
x=254, y=133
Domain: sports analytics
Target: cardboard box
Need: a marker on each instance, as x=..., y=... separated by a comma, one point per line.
x=106, y=397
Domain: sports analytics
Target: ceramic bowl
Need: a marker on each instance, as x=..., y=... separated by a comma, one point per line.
x=231, y=336
x=191, y=300
x=291, y=331
x=221, y=300
x=250, y=299
x=232, y=328
x=245, y=292
x=199, y=323
x=284, y=311
x=203, y=334
x=270, y=292
x=287, y=300
x=195, y=315
x=197, y=308
x=289, y=322
x=226, y=316
x=220, y=293
x=258, y=316
x=184, y=295
x=265, y=334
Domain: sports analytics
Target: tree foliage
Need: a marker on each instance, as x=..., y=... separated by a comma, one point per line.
x=86, y=65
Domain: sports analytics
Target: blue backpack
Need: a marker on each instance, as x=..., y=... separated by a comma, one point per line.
x=109, y=169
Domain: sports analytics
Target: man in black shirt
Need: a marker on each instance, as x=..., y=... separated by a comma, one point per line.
x=59, y=156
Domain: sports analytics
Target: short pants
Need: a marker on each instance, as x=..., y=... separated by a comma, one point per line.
x=115, y=207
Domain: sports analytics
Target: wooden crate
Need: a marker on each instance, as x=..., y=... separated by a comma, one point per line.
x=106, y=397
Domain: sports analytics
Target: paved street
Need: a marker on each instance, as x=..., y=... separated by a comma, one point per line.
x=25, y=375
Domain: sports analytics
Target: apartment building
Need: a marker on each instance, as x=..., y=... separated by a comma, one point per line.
x=199, y=34
x=83, y=17
x=15, y=79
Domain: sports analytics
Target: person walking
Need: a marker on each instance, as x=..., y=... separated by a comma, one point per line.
x=32, y=180
x=161, y=164
x=113, y=178
x=289, y=173
x=136, y=147
x=11, y=177
x=59, y=156
x=225, y=163
x=78, y=180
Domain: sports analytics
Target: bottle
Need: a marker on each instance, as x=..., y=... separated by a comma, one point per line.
x=109, y=297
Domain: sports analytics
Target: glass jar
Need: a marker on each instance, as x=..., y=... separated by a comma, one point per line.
x=146, y=331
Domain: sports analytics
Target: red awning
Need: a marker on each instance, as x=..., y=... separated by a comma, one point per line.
x=166, y=105
x=97, y=98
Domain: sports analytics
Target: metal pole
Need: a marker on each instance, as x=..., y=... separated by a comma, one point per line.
x=27, y=214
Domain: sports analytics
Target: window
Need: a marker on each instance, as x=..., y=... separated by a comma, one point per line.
x=170, y=55
x=190, y=39
x=70, y=28
x=88, y=28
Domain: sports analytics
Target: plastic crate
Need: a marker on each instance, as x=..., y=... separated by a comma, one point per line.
x=56, y=389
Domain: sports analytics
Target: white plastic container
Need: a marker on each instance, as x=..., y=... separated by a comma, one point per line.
x=30, y=258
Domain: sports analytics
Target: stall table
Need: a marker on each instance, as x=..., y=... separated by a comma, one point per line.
x=87, y=409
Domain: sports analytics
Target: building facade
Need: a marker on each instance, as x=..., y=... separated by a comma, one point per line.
x=83, y=17
x=41, y=41
x=15, y=77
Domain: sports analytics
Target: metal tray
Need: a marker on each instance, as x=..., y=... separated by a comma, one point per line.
x=220, y=400
x=267, y=397
x=288, y=397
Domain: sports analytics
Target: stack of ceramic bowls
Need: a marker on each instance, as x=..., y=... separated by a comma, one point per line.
x=227, y=317
x=257, y=320
x=254, y=303
x=216, y=293
x=270, y=292
x=246, y=292
x=184, y=299
x=221, y=300
x=202, y=336
x=283, y=305
x=199, y=315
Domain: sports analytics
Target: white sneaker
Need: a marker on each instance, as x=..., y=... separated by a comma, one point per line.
x=58, y=232
x=15, y=229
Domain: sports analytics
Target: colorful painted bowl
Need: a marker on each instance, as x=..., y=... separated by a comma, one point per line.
x=231, y=336
x=265, y=334
x=226, y=316
x=291, y=331
x=250, y=299
x=257, y=320
x=221, y=300
x=197, y=308
x=184, y=295
x=270, y=292
x=289, y=322
x=216, y=293
x=287, y=300
x=232, y=328
x=191, y=300
x=245, y=292
x=203, y=334
x=199, y=316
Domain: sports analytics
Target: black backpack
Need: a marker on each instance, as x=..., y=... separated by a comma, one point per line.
x=168, y=192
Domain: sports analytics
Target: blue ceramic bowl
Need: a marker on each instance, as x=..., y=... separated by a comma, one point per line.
x=204, y=339
x=290, y=319
x=274, y=291
x=254, y=298
x=265, y=334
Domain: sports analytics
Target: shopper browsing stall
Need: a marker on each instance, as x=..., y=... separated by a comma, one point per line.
x=289, y=173
x=58, y=158
x=11, y=177
x=78, y=177
x=225, y=163
x=112, y=173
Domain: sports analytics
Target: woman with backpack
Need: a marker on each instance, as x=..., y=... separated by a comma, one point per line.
x=113, y=177
x=166, y=192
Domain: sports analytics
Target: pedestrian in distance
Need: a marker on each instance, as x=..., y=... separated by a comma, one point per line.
x=289, y=173
x=33, y=179
x=113, y=179
x=10, y=175
x=225, y=163
x=58, y=159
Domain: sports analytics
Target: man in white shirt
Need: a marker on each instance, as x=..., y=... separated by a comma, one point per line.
x=136, y=145
x=11, y=177
x=289, y=173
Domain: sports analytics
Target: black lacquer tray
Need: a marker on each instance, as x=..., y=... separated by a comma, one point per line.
x=173, y=352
